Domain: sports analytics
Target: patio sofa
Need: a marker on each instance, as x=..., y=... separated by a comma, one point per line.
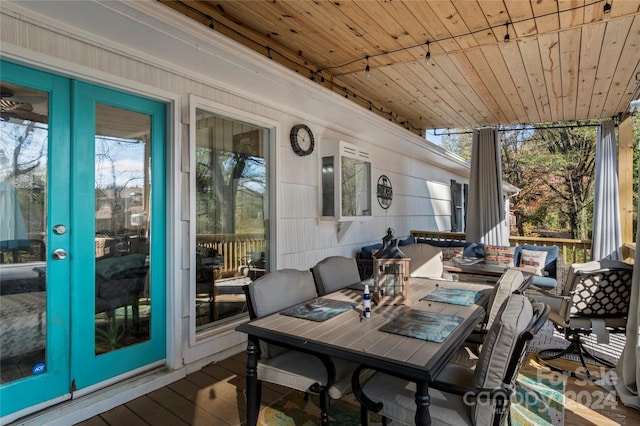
x=451, y=248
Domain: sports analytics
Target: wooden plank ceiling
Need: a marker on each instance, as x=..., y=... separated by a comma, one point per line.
x=566, y=60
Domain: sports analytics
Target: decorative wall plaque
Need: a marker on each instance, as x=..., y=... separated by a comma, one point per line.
x=384, y=192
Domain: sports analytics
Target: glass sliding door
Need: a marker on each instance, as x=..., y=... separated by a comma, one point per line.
x=231, y=196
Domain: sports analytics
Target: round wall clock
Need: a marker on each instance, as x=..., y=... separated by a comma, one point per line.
x=302, y=140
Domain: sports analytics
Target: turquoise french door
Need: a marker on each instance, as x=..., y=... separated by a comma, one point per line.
x=82, y=246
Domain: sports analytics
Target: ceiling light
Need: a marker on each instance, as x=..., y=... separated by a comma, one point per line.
x=506, y=36
x=367, y=68
x=428, y=54
x=607, y=7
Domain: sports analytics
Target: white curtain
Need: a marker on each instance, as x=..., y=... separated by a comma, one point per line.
x=607, y=233
x=486, y=221
x=626, y=375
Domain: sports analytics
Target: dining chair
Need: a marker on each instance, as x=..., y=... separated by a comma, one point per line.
x=316, y=374
x=595, y=300
x=335, y=272
x=460, y=395
x=513, y=281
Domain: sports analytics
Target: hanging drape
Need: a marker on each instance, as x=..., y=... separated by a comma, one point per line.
x=486, y=221
x=607, y=232
x=626, y=376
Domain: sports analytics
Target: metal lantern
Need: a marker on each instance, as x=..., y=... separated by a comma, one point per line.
x=390, y=272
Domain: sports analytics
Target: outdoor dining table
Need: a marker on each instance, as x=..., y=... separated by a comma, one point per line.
x=349, y=336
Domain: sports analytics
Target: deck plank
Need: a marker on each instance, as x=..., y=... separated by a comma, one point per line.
x=208, y=402
x=216, y=395
x=183, y=408
x=121, y=415
x=154, y=413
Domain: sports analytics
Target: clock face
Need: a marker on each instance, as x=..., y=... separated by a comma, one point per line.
x=302, y=140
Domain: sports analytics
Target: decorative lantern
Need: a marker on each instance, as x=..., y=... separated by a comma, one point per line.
x=390, y=273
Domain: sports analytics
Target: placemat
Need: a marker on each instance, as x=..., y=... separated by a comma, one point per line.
x=318, y=309
x=454, y=296
x=423, y=325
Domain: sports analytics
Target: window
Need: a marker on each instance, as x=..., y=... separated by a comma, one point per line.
x=346, y=194
x=231, y=193
x=459, y=193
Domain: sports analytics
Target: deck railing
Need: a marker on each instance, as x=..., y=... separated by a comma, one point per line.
x=572, y=251
x=236, y=249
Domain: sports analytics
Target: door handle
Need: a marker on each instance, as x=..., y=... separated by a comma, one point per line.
x=60, y=254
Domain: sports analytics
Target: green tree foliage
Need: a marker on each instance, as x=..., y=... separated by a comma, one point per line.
x=459, y=144
x=554, y=169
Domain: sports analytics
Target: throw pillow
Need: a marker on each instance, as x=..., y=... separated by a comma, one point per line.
x=533, y=258
x=499, y=255
x=450, y=253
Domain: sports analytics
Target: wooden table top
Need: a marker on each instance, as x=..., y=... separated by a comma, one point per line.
x=349, y=337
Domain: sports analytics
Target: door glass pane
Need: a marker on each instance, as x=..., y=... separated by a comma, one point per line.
x=231, y=215
x=23, y=208
x=123, y=189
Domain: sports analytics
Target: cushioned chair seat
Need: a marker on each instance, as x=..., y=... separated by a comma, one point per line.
x=451, y=409
x=300, y=371
x=544, y=282
x=451, y=396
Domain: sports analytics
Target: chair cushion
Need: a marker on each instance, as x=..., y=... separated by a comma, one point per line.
x=509, y=282
x=399, y=404
x=426, y=260
x=551, y=261
x=474, y=250
x=367, y=252
x=281, y=289
x=533, y=258
x=498, y=346
x=435, y=243
x=277, y=290
x=334, y=273
x=299, y=370
x=407, y=241
x=544, y=282
x=499, y=255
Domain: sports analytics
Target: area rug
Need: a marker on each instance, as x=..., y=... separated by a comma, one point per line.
x=293, y=410
x=550, y=338
x=538, y=400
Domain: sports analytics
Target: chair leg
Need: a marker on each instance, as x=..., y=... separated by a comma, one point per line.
x=576, y=346
x=324, y=408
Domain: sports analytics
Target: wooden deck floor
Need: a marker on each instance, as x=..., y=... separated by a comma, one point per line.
x=215, y=396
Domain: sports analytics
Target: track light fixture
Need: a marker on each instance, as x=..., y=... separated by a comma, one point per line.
x=427, y=55
x=506, y=36
x=607, y=7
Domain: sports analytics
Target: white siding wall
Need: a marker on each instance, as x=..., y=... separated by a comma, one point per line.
x=160, y=54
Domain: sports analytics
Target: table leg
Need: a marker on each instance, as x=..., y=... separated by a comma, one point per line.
x=253, y=384
x=423, y=418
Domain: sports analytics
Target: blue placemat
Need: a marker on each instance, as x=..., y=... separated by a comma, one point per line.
x=423, y=325
x=318, y=309
x=454, y=296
